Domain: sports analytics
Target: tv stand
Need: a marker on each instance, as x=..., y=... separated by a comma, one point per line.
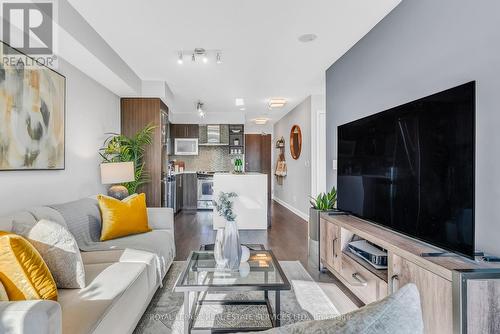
x=438, y=274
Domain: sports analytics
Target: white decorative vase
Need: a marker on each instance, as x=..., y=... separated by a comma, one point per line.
x=232, y=247
x=218, y=246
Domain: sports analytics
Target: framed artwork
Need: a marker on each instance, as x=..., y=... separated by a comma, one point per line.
x=32, y=114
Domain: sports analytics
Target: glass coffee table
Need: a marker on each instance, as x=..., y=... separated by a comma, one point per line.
x=201, y=276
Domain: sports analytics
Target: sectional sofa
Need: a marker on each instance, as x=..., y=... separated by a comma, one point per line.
x=120, y=281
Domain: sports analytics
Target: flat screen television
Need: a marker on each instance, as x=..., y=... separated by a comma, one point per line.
x=411, y=169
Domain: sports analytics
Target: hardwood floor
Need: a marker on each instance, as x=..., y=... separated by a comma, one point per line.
x=287, y=238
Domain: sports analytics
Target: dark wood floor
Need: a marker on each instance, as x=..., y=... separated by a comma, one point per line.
x=287, y=238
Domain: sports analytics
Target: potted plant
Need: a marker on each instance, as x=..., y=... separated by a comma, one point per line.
x=321, y=203
x=120, y=148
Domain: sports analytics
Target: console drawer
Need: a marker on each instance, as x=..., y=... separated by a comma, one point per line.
x=364, y=284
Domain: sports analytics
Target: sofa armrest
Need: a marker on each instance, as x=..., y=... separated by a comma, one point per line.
x=161, y=218
x=30, y=317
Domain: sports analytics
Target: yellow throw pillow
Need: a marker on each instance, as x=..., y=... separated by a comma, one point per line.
x=122, y=218
x=23, y=273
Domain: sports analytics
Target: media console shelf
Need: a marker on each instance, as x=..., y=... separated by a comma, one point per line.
x=453, y=289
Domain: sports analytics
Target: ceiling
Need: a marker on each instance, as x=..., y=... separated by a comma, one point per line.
x=262, y=57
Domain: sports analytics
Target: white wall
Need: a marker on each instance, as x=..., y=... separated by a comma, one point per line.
x=91, y=111
x=420, y=48
x=296, y=188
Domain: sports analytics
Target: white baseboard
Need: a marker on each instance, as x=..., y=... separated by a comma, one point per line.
x=299, y=213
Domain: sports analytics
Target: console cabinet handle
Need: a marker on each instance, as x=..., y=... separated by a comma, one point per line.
x=394, y=281
x=359, y=279
x=333, y=246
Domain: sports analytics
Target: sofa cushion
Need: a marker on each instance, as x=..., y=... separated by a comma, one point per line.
x=59, y=250
x=24, y=274
x=126, y=255
x=114, y=296
x=122, y=218
x=398, y=313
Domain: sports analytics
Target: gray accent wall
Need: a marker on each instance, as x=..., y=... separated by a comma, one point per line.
x=420, y=48
x=296, y=188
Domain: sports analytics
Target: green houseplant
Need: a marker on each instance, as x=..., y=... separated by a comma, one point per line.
x=321, y=203
x=120, y=148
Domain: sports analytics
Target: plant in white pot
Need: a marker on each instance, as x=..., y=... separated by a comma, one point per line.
x=321, y=203
x=230, y=245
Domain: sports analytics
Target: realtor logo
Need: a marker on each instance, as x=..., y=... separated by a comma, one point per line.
x=28, y=27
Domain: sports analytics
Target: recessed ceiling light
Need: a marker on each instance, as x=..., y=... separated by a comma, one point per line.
x=306, y=38
x=260, y=121
x=180, y=60
x=277, y=103
x=239, y=102
x=205, y=59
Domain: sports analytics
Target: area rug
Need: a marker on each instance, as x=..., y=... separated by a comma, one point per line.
x=307, y=300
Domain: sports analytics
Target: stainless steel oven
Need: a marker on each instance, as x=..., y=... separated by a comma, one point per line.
x=205, y=191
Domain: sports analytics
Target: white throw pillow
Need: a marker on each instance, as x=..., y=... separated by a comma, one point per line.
x=59, y=250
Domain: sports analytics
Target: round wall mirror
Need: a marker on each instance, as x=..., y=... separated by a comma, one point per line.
x=295, y=141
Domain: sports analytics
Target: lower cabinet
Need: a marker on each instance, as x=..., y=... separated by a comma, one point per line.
x=190, y=191
x=435, y=293
x=330, y=249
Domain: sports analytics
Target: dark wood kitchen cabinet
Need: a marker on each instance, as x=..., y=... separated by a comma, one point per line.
x=136, y=113
x=179, y=190
x=190, y=191
x=184, y=130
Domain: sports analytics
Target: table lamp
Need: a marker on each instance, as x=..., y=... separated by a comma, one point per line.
x=115, y=173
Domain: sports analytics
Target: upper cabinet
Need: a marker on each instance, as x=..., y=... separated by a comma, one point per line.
x=184, y=130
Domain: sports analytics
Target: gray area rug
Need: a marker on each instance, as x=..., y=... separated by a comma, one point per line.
x=306, y=301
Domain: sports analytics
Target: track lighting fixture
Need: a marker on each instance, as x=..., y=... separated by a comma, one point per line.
x=200, y=54
x=199, y=108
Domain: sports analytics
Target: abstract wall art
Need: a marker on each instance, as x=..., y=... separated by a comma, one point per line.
x=32, y=114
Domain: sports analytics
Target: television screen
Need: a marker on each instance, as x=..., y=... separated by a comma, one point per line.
x=411, y=168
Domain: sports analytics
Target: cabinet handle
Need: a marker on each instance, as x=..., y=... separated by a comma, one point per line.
x=359, y=279
x=333, y=246
x=394, y=280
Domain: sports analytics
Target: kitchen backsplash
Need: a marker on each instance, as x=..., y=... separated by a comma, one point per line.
x=209, y=158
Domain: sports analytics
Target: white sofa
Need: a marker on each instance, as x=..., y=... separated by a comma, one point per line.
x=120, y=283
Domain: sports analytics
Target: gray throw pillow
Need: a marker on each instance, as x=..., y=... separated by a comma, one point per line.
x=397, y=313
x=59, y=250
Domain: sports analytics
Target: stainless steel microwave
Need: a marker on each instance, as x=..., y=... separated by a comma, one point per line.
x=186, y=146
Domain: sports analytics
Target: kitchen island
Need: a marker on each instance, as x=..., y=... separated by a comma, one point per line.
x=251, y=204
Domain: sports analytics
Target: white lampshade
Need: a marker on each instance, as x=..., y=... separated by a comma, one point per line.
x=117, y=172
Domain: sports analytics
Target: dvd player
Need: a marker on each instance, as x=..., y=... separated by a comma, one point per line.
x=373, y=255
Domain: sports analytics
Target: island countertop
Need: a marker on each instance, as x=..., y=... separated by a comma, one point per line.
x=250, y=206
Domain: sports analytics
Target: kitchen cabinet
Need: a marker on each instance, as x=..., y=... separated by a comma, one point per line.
x=190, y=191
x=136, y=113
x=184, y=130
x=179, y=178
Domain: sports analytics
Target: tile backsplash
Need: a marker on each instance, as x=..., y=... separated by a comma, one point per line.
x=209, y=158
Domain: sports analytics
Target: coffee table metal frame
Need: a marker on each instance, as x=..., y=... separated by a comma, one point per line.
x=191, y=310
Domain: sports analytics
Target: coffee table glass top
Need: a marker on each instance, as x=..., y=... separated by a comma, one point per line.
x=261, y=272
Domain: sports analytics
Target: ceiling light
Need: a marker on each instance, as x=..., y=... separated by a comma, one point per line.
x=199, y=109
x=180, y=60
x=205, y=59
x=306, y=38
x=260, y=121
x=218, y=58
x=193, y=58
x=243, y=108
x=277, y=103
x=239, y=102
